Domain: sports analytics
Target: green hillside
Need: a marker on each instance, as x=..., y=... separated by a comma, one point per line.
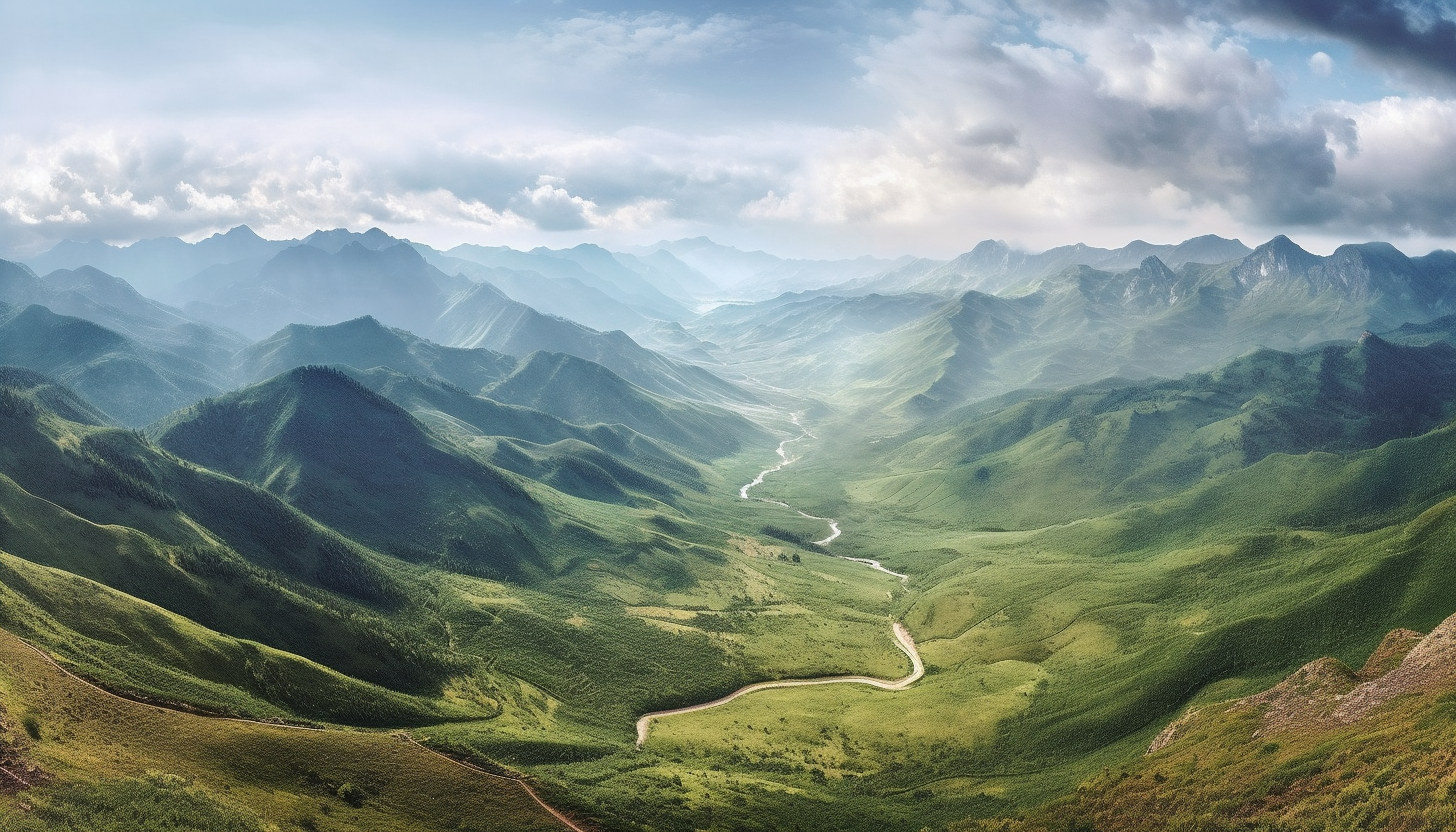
x=1089, y=450
x=99, y=762
x=587, y=393
x=892, y=361
x=601, y=462
x=1327, y=748
x=483, y=317
x=169, y=581
x=515, y=555
x=359, y=463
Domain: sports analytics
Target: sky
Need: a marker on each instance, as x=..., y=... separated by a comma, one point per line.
x=818, y=128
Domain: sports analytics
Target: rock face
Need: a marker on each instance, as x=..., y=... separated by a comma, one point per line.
x=1430, y=664
x=1326, y=693
x=1309, y=696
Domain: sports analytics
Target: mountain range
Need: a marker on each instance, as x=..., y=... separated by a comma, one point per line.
x=1165, y=526
x=921, y=354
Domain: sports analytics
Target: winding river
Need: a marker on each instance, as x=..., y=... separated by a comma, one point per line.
x=903, y=640
x=834, y=531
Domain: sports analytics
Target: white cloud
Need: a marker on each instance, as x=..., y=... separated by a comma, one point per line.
x=1321, y=64
x=604, y=41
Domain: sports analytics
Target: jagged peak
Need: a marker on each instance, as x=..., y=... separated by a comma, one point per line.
x=1153, y=265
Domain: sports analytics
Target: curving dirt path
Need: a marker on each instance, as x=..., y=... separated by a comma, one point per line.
x=902, y=639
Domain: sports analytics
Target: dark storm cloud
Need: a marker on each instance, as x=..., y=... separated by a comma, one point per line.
x=1414, y=35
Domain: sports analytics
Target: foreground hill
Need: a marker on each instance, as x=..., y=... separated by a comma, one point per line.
x=182, y=770
x=1327, y=748
x=171, y=581
x=284, y=614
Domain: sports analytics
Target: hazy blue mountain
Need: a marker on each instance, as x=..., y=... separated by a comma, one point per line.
x=673, y=339
x=112, y=303
x=132, y=383
x=1082, y=324
x=758, y=274
x=632, y=282
x=808, y=340
x=592, y=266
x=335, y=239
x=993, y=266
x=365, y=343
x=671, y=276
x=306, y=284
x=483, y=317
x=565, y=297
x=155, y=265
x=588, y=393
x=1388, y=288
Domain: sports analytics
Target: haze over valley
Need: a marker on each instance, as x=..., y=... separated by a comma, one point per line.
x=1014, y=416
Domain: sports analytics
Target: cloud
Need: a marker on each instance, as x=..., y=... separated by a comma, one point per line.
x=551, y=207
x=1321, y=64
x=125, y=186
x=1419, y=36
x=658, y=38
x=1035, y=120
x=1403, y=180
x=986, y=109
x=1089, y=117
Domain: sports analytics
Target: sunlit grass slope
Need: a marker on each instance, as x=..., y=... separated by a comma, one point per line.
x=172, y=582
x=111, y=760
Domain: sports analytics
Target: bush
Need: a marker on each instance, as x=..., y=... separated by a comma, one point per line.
x=351, y=794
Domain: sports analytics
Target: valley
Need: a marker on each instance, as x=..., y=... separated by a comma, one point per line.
x=354, y=485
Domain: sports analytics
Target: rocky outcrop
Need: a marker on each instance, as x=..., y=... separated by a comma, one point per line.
x=1326, y=693
x=1430, y=665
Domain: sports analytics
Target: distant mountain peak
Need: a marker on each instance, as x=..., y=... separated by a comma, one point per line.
x=1153, y=265
x=1279, y=256
x=240, y=232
